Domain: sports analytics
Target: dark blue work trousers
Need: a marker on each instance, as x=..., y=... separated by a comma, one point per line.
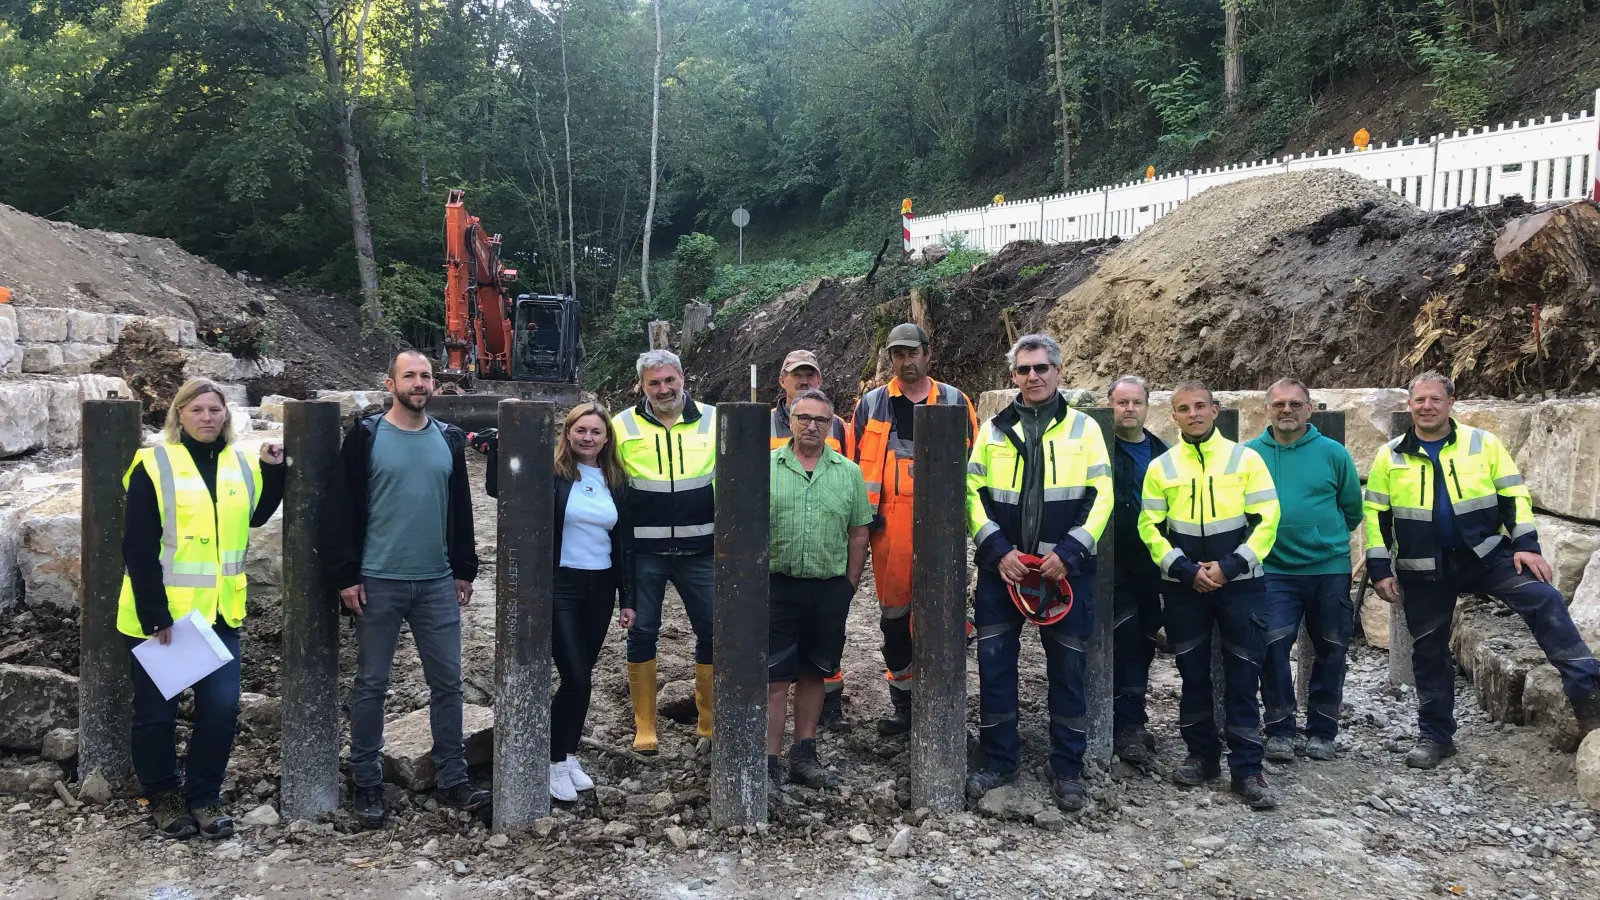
x=1137, y=606
x=1323, y=602
x=999, y=625
x=1238, y=611
x=155, y=719
x=1430, y=608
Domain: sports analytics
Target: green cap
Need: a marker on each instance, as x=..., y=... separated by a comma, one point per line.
x=907, y=335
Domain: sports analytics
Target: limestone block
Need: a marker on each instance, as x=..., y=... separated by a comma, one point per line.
x=1543, y=702
x=24, y=416
x=1585, y=607
x=235, y=395
x=263, y=560
x=10, y=577
x=8, y=313
x=77, y=359
x=1375, y=620
x=1567, y=547
x=49, y=550
x=86, y=327
x=1497, y=652
x=42, y=324
x=66, y=398
x=1508, y=421
x=408, y=745
x=1587, y=764
x=29, y=778
x=272, y=407
x=352, y=403
x=33, y=702
x=40, y=359
x=115, y=324
x=1366, y=419
x=1561, y=459
x=8, y=344
x=208, y=364
x=178, y=331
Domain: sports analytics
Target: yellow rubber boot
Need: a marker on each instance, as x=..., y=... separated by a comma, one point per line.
x=642, y=690
x=702, y=698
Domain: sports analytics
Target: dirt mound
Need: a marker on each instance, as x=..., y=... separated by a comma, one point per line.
x=151, y=364
x=47, y=263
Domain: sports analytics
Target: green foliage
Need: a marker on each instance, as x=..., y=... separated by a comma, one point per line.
x=1184, y=109
x=413, y=303
x=1027, y=273
x=615, y=344
x=694, y=264
x=739, y=291
x=1468, y=83
x=247, y=338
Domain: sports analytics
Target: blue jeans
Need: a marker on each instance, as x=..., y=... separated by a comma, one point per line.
x=1235, y=610
x=216, y=713
x=1430, y=608
x=999, y=625
x=1330, y=617
x=430, y=608
x=1137, y=602
x=692, y=576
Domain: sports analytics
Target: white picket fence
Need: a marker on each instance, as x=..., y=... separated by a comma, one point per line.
x=1542, y=162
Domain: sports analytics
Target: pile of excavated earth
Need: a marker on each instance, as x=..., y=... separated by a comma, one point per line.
x=1238, y=288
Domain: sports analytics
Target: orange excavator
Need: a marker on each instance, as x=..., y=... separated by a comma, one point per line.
x=489, y=336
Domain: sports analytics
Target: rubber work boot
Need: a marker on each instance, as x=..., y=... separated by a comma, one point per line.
x=1587, y=711
x=1068, y=792
x=833, y=711
x=1256, y=792
x=214, y=821
x=1280, y=748
x=1130, y=747
x=702, y=698
x=1194, y=771
x=642, y=690
x=368, y=806
x=1426, y=754
x=980, y=783
x=899, y=720
x=1320, y=748
x=172, y=817
x=805, y=768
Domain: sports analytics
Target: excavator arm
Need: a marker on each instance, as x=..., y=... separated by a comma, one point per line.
x=477, y=291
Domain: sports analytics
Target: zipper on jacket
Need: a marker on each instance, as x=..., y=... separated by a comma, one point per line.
x=1054, y=479
x=658, y=455
x=1194, y=491
x=1211, y=485
x=1423, y=500
x=1455, y=479
x=681, y=469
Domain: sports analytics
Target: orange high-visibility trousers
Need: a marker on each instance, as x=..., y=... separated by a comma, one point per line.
x=891, y=575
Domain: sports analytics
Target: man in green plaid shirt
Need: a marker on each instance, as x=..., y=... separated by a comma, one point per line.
x=818, y=547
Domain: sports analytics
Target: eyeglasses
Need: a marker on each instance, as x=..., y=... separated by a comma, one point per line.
x=811, y=421
x=1036, y=368
x=1294, y=405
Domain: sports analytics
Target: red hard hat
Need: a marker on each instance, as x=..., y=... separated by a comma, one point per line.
x=1039, y=601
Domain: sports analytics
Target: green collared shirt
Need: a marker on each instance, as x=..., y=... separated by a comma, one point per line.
x=811, y=516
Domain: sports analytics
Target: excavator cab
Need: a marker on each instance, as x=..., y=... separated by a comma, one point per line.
x=544, y=345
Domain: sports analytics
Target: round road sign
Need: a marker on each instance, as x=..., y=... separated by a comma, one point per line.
x=741, y=217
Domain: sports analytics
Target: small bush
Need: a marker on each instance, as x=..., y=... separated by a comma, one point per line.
x=1468, y=83
x=694, y=265
x=1027, y=273
x=754, y=285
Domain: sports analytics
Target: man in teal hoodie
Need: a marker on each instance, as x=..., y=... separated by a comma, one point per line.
x=1308, y=571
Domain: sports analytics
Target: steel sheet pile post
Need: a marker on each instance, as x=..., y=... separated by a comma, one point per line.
x=1228, y=425
x=1098, y=684
x=938, y=629
x=310, y=735
x=739, y=617
x=1330, y=422
x=524, y=578
x=1400, y=671
x=110, y=439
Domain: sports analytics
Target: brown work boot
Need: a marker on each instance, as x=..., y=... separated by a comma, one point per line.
x=213, y=821
x=171, y=815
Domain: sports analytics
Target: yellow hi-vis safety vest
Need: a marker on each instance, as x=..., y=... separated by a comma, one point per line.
x=672, y=472
x=1209, y=502
x=202, y=543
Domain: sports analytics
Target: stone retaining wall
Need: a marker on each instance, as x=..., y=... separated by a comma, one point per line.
x=48, y=340
x=45, y=411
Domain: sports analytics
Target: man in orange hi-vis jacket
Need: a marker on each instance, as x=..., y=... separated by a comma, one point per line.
x=884, y=435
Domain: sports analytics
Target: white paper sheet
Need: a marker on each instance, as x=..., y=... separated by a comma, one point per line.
x=194, y=653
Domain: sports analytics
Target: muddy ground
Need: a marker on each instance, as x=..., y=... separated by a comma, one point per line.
x=1499, y=822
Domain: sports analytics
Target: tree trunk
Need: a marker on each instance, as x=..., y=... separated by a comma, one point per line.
x=566, y=127
x=1232, y=59
x=418, y=116
x=344, y=110
x=655, y=138
x=1061, y=92
x=1105, y=98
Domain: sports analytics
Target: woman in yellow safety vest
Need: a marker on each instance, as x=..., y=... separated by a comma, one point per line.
x=192, y=500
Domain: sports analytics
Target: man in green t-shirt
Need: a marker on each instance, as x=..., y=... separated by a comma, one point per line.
x=818, y=547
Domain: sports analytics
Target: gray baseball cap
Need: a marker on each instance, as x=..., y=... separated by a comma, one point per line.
x=907, y=335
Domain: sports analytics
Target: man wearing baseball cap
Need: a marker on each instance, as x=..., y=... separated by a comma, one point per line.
x=883, y=431
x=800, y=373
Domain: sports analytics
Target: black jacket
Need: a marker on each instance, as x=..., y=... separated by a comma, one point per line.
x=345, y=536
x=141, y=529
x=621, y=536
x=1133, y=558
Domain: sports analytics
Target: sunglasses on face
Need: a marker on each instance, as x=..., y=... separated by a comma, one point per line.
x=1036, y=368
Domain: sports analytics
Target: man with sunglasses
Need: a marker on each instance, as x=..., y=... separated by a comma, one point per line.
x=1308, y=571
x=1038, y=488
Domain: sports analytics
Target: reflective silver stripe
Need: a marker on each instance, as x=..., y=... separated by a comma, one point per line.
x=1172, y=556
x=1375, y=497
x=1525, y=528
x=233, y=562
x=1157, y=504
x=874, y=487
x=893, y=612
x=1489, y=501
x=173, y=573
x=1248, y=555
x=1082, y=537
x=1098, y=470
x=1249, y=574
x=903, y=448
x=694, y=483
x=1233, y=460
x=977, y=468
x=1076, y=431
x=707, y=416
x=1046, y=548
x=984, y=531
x=1167, y=467
x=1487, y=545
x=1227, y=524
x=629, y=423
x=1055, y=495
x=996, y=436
x=1506, y=481
x=1009, y=498
x=657, y=486
x=1252, y=499
x=1192, y=529
x=249, y=482
x=671, y=531
x=1396, y=459
x=900, y=674
x=1377, y=553
x=1475, y=444
x=1406, y=564
x=1413, y=514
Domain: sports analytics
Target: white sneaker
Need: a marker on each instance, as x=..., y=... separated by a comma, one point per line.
x=579, y=780
x=561, y=783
